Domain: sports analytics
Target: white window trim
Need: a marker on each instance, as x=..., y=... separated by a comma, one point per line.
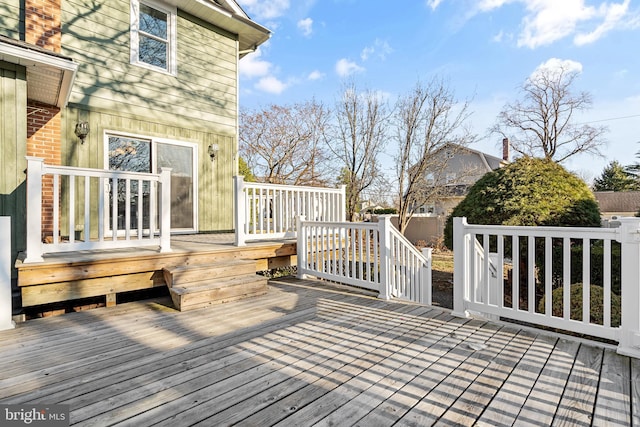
x=153, y=140
x=172, y=13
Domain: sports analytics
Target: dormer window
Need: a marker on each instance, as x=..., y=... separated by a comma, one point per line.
x=153, y=35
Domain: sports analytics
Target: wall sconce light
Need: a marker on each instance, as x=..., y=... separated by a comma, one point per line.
x=82, y=130
x=213, y=150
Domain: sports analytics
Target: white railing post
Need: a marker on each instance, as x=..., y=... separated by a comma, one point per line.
x=302, y=248
x=629, y=237
x=460, y=266
x=342, y=204
x=35, y=168
x=384, y=224
x=165, y=210
x=240, y=209
x=5, y=274
x=427, y=282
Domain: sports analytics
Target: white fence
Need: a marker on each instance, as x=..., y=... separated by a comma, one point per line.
x=269, y=211
x=5, y=274
x=585, y=280
x=368, y=255
x=120, y=209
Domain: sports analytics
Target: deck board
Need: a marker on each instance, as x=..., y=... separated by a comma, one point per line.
x=310, y=353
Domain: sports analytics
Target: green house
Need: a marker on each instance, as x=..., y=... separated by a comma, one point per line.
x=130, y=85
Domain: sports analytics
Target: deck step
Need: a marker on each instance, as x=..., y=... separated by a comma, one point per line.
x=198, y=286
x=180, y=276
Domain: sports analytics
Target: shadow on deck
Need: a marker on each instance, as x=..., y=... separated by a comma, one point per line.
x=308, y=353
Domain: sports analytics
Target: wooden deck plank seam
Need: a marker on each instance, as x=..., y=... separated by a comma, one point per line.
x=192, y=390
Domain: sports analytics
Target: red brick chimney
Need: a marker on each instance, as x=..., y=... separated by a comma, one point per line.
x=43, y=29
x=42, y=19
x=506, y=148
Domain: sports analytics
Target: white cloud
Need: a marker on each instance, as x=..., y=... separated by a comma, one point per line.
x=433, y=4
x=551, y=20
x=271, y=84
x=557, y=65
x=613, y=14
x=487, y=5
x=315, y=75
x=252, y=66
x=262, y=10
x=547, y=21
x=306, y=26
x=345, y=68
x=380, y=48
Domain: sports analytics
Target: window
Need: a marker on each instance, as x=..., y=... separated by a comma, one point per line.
x=153, y=38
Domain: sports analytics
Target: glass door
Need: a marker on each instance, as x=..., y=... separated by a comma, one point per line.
x=180, y=158
x=134, y=154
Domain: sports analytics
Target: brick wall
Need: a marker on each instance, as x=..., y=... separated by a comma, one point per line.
x=43, y=28
x=43, y=140
x=42, y=18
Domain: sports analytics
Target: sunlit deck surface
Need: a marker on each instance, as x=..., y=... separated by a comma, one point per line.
x=307, y=353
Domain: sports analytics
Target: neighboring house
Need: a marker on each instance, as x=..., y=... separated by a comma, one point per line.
x=618, y=203
x=462, y=167
x=124, y=85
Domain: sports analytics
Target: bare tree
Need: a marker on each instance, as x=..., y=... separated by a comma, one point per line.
x=284, y=144
x=357, y=139
x=543, y=123
x=430, y=126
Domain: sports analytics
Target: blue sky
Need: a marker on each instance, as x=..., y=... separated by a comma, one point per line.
x=485, y=49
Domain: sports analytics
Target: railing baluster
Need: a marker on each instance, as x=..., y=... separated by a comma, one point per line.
x=127, y=210
x=548, y=273
x=114, y=209
x=531, y=279
x=56, y=209
x=586, y=281
x=515, y=272
x=566, y=278
x=606, y=284
x=87, y=209
x=72, y=209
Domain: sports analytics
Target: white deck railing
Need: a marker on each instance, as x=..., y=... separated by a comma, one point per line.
x=83, y=218
x=538, y=274
x=368, y=255
x=269, y=211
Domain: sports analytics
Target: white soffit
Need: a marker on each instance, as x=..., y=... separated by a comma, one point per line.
x=49, y=76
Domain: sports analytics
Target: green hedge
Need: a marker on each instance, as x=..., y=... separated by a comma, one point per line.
x=597, y=305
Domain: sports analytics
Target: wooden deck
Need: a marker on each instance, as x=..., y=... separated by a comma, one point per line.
x=311, y=354
x=73, y=276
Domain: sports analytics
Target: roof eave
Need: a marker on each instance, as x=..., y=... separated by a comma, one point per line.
x=250, y=33
x=37, y=60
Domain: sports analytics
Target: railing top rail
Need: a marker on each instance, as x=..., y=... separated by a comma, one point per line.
x=396, y=233
x=98, y=173
x=543, y=231
x=292, y=187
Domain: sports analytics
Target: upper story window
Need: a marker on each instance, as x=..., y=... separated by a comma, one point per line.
x=153, y=35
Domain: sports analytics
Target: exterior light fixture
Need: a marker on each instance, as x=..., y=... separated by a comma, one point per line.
x=82, y=130
x=213, y=150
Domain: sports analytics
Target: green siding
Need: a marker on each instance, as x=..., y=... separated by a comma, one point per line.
x=215, y=192
x=204, y=90
x=198, y=105
x=11, y=18
x=13, y=135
